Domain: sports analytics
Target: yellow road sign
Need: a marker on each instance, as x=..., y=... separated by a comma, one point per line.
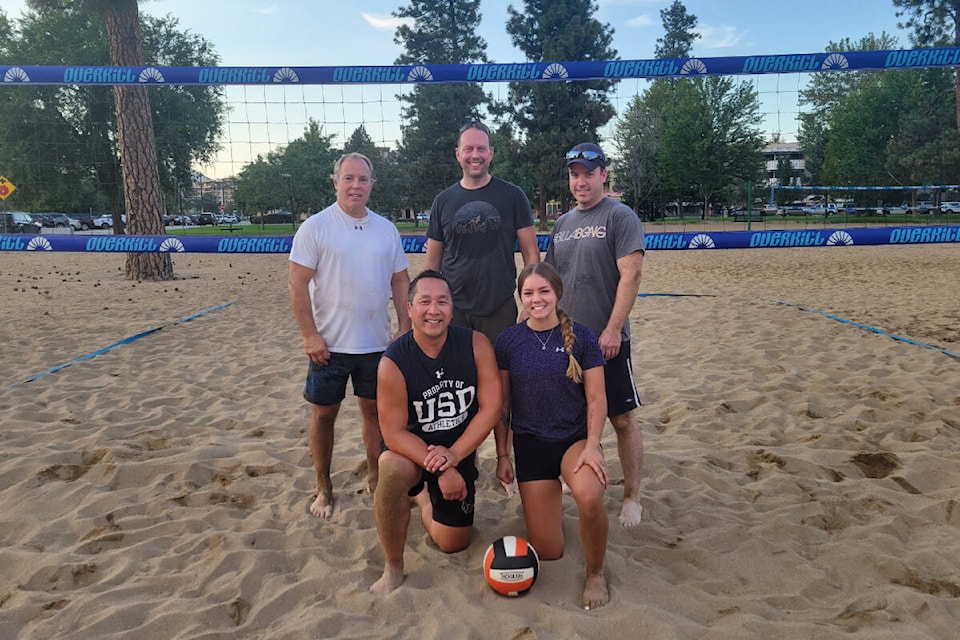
x=6, y=188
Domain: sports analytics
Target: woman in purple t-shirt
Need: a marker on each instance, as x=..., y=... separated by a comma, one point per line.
x=554, y=401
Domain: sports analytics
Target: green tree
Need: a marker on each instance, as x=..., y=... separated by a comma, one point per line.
x=551, y=117
x=438, y=33
x=785, y=171
x=307, y=170
x=82, y=133
x=862, y=125
x=825, y=93
x=637, y=142
x=935, y=23
x=143, y=194
x=702, y=134
x=679, y=35
x=926, y=149
x=259, y=184
x=296, y=177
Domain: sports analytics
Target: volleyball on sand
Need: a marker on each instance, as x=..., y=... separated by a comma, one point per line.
x=511, y=565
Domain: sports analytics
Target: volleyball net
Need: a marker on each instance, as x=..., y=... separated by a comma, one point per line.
x=267, y=109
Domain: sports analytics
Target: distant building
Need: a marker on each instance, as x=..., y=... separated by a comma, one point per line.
x=216, y=194
x=773, y=152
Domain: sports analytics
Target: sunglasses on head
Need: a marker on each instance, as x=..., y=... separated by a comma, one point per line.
x=592, y=156
x=475, y=125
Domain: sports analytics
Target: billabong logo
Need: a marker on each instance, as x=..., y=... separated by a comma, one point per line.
x=172, y=245
x=150, y=75
x=39, y=244
x=839, y=238
x=692, y=66
x=702, y=241
x=419, y=74
x=16, y=74
x=286, y=74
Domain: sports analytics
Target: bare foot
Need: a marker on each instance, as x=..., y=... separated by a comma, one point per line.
x=322, y=507
x=595, y=592
x=391, y=579
x=630, y=513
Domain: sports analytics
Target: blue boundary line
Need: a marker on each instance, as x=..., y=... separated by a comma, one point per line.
x=126, y=340
x=676, y=295
x=867, y=327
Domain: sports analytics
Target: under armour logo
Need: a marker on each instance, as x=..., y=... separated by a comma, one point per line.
x=358, y=227
x=439, y=373
x=559, y=350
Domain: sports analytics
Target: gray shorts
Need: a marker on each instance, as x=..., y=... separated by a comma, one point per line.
x=327, y=383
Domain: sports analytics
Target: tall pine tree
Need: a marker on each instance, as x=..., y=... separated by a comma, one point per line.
x=438, y=33
x=551, y=117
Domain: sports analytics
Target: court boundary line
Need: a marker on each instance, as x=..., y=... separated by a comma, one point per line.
x=119, y=343
x=867, y=327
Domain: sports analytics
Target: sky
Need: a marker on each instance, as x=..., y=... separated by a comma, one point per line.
x=325, y=33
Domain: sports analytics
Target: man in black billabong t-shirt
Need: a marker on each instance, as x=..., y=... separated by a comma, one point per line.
x=438, y=397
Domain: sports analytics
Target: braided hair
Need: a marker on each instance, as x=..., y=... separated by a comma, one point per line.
x=549, y=273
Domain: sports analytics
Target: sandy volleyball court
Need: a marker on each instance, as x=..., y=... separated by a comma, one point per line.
x=801, y=479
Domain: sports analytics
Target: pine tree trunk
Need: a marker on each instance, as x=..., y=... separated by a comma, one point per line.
x=138, y=151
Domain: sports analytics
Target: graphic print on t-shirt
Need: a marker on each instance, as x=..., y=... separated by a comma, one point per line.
x=476, y=216
x=444, y=405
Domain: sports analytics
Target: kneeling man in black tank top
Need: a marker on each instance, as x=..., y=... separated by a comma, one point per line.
x=438, y=397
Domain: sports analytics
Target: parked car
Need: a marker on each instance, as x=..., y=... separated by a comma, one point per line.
x=52, y=219
x=741, y=214
x=17, y=222
x=951, y=206
x=820, y=209
x=923, y=207
x=206, y=218
x=894, y=209
x=103, y=222
x=82, y=221
x=229, y=218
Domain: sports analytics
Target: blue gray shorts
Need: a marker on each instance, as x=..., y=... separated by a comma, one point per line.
x=327, y=383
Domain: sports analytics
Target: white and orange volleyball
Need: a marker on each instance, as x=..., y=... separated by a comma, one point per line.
x=511, y=565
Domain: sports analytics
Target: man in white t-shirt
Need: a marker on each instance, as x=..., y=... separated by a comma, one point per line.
x=345, y=264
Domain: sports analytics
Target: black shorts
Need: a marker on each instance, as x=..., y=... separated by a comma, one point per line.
x=618, y=379
x=491, y=325
x=452, y=513
x=539, y=459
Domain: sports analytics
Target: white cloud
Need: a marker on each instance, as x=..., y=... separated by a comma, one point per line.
x=385, y=23
x=717, y=37
x=267, y=11
x=640, y=21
